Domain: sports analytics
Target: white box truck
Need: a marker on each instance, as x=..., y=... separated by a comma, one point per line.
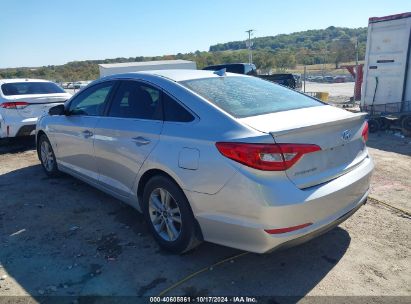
x=386, y=91
x=127, y=67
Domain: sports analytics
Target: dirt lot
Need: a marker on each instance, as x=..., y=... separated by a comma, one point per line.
x=338, y=92
x=62, y=237
x=334, y=89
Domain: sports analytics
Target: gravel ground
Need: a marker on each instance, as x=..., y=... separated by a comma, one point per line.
x=334, y=89
x=338, y=92
x=391, y=181
x=62, y=237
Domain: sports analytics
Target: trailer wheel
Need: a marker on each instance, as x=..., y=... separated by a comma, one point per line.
x=406, y=123
x=373, y=125
x=384, y=123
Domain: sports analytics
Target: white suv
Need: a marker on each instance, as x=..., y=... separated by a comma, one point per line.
x=23, y=101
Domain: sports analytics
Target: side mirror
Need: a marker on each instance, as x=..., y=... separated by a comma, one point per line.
x=57, y=110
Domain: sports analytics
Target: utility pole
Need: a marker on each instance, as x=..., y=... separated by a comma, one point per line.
x=356, y=66
x=305, y=76
x=249, y=45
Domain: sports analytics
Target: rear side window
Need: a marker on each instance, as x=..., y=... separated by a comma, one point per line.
x=243, y=96
x=173, y=111
x=26, y=88
x=135, y=99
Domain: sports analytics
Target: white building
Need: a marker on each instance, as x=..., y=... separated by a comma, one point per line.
x=127, y=67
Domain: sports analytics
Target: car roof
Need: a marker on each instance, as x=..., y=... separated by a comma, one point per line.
x=2, y=81
x=174, y=75
x=231, y=64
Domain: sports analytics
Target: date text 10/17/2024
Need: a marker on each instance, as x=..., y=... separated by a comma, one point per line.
x=198, y=299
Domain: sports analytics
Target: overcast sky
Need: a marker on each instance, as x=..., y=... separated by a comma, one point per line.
x=51, y=32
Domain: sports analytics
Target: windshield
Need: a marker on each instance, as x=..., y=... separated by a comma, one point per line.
x=249, y=96
x=25, y=88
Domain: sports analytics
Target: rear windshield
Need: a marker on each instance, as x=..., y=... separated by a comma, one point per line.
x=249, y=96
x=24, y=88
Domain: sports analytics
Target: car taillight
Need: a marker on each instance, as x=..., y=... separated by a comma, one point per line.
x=14, y=105
x=364, y=133
x=267, y=157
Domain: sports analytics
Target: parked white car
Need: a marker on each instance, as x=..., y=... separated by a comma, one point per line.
x=23, y=101
x=81, y=84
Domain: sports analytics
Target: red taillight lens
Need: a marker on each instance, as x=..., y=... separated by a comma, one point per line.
x=267, y=157
x=364, y=133
x=14, y=105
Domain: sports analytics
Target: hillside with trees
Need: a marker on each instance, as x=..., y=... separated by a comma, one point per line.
x=278, y=53
x=333, y=44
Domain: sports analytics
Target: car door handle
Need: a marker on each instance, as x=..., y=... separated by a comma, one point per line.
x=87, y=133
x=141, y=141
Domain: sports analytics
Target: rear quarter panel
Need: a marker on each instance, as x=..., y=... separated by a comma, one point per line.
x=209, y=172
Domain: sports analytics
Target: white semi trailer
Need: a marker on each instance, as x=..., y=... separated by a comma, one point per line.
x=386, y=91
x=127, y=67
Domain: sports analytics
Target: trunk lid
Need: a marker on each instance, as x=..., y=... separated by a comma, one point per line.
x=39, y=104
x=336, y=131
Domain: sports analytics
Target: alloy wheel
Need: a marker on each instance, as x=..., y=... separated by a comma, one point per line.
x=46, y=154
x=165, y=214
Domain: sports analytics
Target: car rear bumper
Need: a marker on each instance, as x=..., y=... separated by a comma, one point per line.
x=17, y=126
x=238, y=215
x=22, y=122
x=324, y=229
x=26, y=130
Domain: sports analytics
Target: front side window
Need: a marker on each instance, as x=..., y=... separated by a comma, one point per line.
x=135, y=99
x=27, y=88
x=91, y=102
x=248, y=96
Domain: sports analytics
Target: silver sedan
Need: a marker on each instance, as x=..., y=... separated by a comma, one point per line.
x=226, y=158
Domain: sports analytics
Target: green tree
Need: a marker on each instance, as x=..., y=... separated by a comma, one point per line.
x=264, y=61
x=342, y=50
x=284, y=60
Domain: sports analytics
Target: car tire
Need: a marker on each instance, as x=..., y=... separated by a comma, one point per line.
x=169, y=215
x=384, y=123
x=373, y=125
x=47, y=157
x=406, y=123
